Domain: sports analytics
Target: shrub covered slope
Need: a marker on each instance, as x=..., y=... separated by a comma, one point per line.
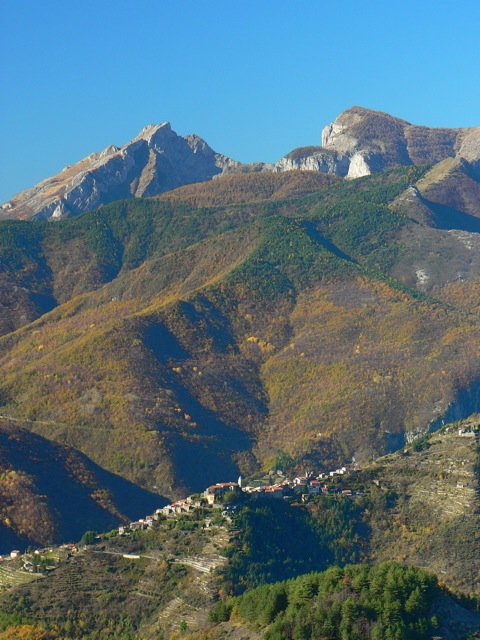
x=183, y=345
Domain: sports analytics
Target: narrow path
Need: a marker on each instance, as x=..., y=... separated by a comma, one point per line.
x=123, y=554
x=55, y=424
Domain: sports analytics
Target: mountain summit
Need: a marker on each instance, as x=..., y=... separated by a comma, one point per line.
x=359, y=142
x=157, y=160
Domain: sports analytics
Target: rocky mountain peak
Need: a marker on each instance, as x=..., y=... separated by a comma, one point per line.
x=154, y=132
x=361, y=141
x=470, y=147
x=108, y=151
x=357, y=143
x=343, y=134
x=157, y=160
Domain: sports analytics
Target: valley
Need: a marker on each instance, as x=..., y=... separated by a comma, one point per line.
x=167, y=571
x=171, y=319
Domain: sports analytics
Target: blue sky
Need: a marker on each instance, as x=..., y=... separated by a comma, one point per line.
x=254, y=78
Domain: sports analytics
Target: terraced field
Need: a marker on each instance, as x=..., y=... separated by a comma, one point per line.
x=157, y=582
x=12, y=577
x=435, y=523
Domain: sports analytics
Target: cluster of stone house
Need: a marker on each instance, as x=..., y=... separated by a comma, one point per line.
x=216, y=492
x=271, y=491
x=186, y=505
x=139, y=525
x=469, y=431
x=301, y=485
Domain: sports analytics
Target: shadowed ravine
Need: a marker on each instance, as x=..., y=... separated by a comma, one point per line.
x=466, y=404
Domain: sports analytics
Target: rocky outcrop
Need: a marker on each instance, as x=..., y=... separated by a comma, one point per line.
x=314, y=159
x=361, y=142
x=157, y=160
x=470, y=149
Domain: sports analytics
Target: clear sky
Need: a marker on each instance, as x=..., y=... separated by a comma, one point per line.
x=254, y=78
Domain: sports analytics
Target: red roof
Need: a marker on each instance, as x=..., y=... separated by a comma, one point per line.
x=221, y=485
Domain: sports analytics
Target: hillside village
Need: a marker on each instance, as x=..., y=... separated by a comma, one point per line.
x=226, y=492
x=176, y=561
x=222, y=498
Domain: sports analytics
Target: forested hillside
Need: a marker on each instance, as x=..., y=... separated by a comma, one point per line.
x=50, y=493
x=252, y=333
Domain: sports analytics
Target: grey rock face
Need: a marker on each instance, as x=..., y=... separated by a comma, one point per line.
x=361, y=142
x=315, y=159
x=157, y=160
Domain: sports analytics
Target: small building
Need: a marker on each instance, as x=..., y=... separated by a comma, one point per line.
x=15, y=553
x=300, y=488
x=71, y=548
x=273, y=492
x=314, y=487
x=215, y=492
x=468, y=432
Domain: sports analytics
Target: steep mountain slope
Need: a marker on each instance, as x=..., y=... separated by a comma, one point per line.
x=188, y=344
x=157, y=160
x=51, y=493
x=361, y=142
x=447, y=196
x=434, y=519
